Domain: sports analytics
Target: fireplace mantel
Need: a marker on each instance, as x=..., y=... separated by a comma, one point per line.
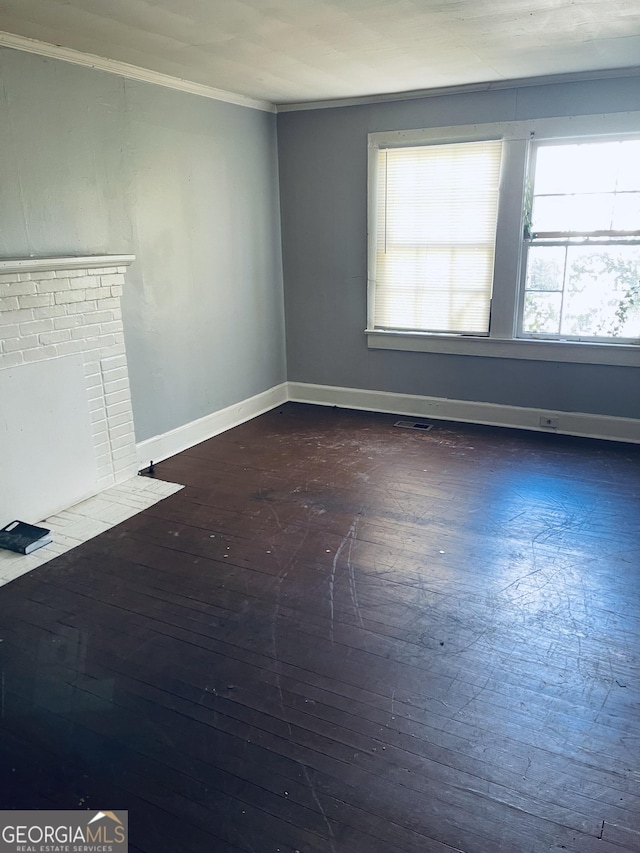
x=87, y=262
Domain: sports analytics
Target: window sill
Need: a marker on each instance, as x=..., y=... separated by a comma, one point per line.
x=627, y=355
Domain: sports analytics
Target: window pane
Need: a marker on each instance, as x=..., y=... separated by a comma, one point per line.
x=586, y=168
x=626, y=212
x=545, y=268
x=597, y=292
x=628, y=160
x=542, y=313
x=602, y=292
x=573, y=213
x=424, y=289
x=587, y=187
x=434, y=196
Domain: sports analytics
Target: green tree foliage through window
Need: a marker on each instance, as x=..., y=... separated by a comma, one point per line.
x=583, y=242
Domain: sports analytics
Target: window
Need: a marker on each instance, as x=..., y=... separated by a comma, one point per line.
x=436, y=224
x=517, y=239
x=583, y=247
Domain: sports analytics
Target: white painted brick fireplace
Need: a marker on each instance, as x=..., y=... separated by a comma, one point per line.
x=66, y=423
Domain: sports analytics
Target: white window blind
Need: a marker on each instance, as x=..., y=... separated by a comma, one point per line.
x=436, y=215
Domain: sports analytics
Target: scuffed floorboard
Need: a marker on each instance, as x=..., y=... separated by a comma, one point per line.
x=342, y=637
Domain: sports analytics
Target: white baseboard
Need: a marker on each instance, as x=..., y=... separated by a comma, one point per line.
x=176, y=440
x=439, y=408
x=468, y=411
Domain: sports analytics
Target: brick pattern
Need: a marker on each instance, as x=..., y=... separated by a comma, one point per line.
x=49, y=314
x=86, y=520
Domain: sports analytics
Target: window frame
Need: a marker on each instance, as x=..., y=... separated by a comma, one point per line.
x=567, y=239
x=504, y=339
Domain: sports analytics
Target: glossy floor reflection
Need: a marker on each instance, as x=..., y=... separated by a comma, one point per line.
x=342, y=636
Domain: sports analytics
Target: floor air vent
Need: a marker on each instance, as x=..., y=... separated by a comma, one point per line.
x=413, y=425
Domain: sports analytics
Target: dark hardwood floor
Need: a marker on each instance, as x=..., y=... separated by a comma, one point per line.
x=344, y=637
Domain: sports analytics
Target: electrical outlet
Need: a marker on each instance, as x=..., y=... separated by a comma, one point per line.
x=549, y=422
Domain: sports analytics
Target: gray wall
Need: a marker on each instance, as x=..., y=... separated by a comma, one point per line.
x=323, y=189
x=91, y=163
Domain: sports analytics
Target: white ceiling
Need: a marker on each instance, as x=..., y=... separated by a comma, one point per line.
x=287, y=51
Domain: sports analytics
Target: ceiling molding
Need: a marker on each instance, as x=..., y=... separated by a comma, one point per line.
x=466, y=88
x=144, y=75
x=132, y=72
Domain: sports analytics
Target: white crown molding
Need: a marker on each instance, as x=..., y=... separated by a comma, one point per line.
x=132, y=72
x=145, y=75
x=465, y=88
x=83, y=262
x=581, y=424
